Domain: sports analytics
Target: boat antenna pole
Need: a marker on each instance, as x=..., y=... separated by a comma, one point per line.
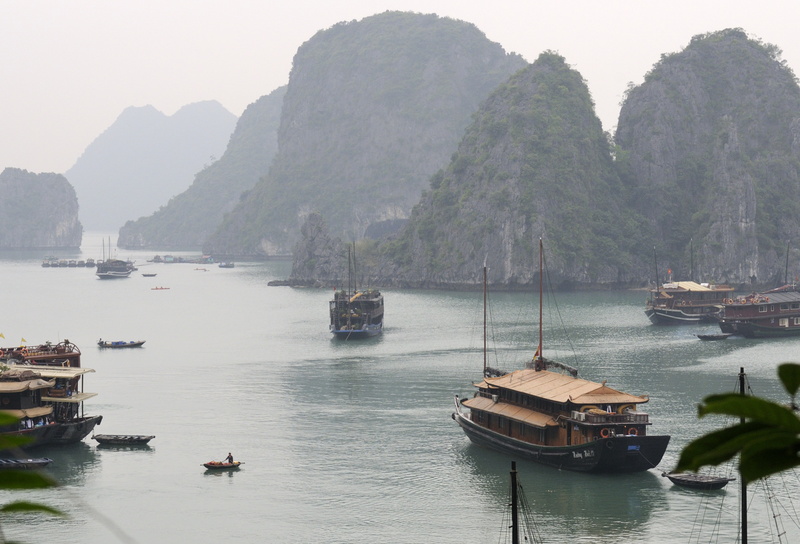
x=786, y=270
x=655, y=261
x=514, y=518
x=355, y=269
x=538, y=363
x=484, y=316
x=742, y=391
x=691, y=259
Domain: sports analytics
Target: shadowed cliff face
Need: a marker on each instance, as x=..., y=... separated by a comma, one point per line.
x=38, y=211
x=373, y=108
x=709, y=147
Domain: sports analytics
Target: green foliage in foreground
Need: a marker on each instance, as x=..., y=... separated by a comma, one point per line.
x=16, y=480
x=768, y=440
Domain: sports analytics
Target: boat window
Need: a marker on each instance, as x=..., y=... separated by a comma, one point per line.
x=762, y=308
x=784, y=306
x=783, y=322
x=795, y=305
x=797, y=320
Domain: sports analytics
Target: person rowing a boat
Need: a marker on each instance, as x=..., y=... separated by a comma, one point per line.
x=229, y=458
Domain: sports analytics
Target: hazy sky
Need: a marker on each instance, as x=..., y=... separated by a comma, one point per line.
x=69, y=68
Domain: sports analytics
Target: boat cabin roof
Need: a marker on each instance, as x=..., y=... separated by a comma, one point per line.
x=560, y=388
x=49, y=372
x=692, y=286
x=511, y=411
x=769, y=297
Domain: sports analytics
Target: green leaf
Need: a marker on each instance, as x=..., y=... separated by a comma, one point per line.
x=720, y=446
x=7, y=419
x=24, y=506
x=9, y=442
x=789, y=373
x=756, y=408
x=23, y=479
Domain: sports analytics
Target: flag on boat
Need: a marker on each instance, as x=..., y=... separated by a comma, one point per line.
x=2, y=335
x=23, y=340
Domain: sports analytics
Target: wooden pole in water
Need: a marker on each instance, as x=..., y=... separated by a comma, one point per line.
x=514, y=516
x=743, y=497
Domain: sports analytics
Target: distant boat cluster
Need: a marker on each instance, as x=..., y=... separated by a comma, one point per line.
x=53, y=262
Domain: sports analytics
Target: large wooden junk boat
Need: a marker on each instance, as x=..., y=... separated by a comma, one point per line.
x=558, y=419
x=356, y=313
x=769, y=314
x=43, y=388
x=686, y=303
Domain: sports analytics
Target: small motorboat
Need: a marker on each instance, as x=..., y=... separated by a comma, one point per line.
x=123, y=439
x=149, y=275
x=721, y=336
x=120, y=343
x=159, y=288
x=697, y=481
x=220, y=465
x=25, y=464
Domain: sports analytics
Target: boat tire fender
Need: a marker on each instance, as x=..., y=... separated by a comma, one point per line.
x=605, y=433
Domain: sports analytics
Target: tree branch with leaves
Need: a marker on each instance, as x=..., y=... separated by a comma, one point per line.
x=767, y=439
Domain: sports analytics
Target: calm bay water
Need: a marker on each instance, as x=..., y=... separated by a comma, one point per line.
x=353, y=442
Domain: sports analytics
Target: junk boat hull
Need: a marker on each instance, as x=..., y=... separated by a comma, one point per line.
x=58, y=433
x=613, y=454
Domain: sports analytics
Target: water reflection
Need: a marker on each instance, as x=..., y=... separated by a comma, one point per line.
x=569, y=502
x=72, y=463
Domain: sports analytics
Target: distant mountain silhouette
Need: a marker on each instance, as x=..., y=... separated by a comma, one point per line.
x=144, y=158
x=187, y=219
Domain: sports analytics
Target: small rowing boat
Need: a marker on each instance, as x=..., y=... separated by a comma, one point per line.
x=123, y=439
x=120, y=343
x=698, y=481
x=722, y=336
x=25, y=464
x=219, y=465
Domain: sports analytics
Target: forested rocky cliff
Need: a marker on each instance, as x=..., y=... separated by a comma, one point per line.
x=710, y=146
x=189, y=218
x=535, y=162
x=38, y=211
x=706, y=156
x=373, y=108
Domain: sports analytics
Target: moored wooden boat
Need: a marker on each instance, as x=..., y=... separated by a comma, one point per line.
x=219, y=465
x=697, y=481
x=354, y=313
x=25, y=464
x=558, y=419
x=123, y=439
x=686, y=303
x=42, y=387
x=770, y=314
